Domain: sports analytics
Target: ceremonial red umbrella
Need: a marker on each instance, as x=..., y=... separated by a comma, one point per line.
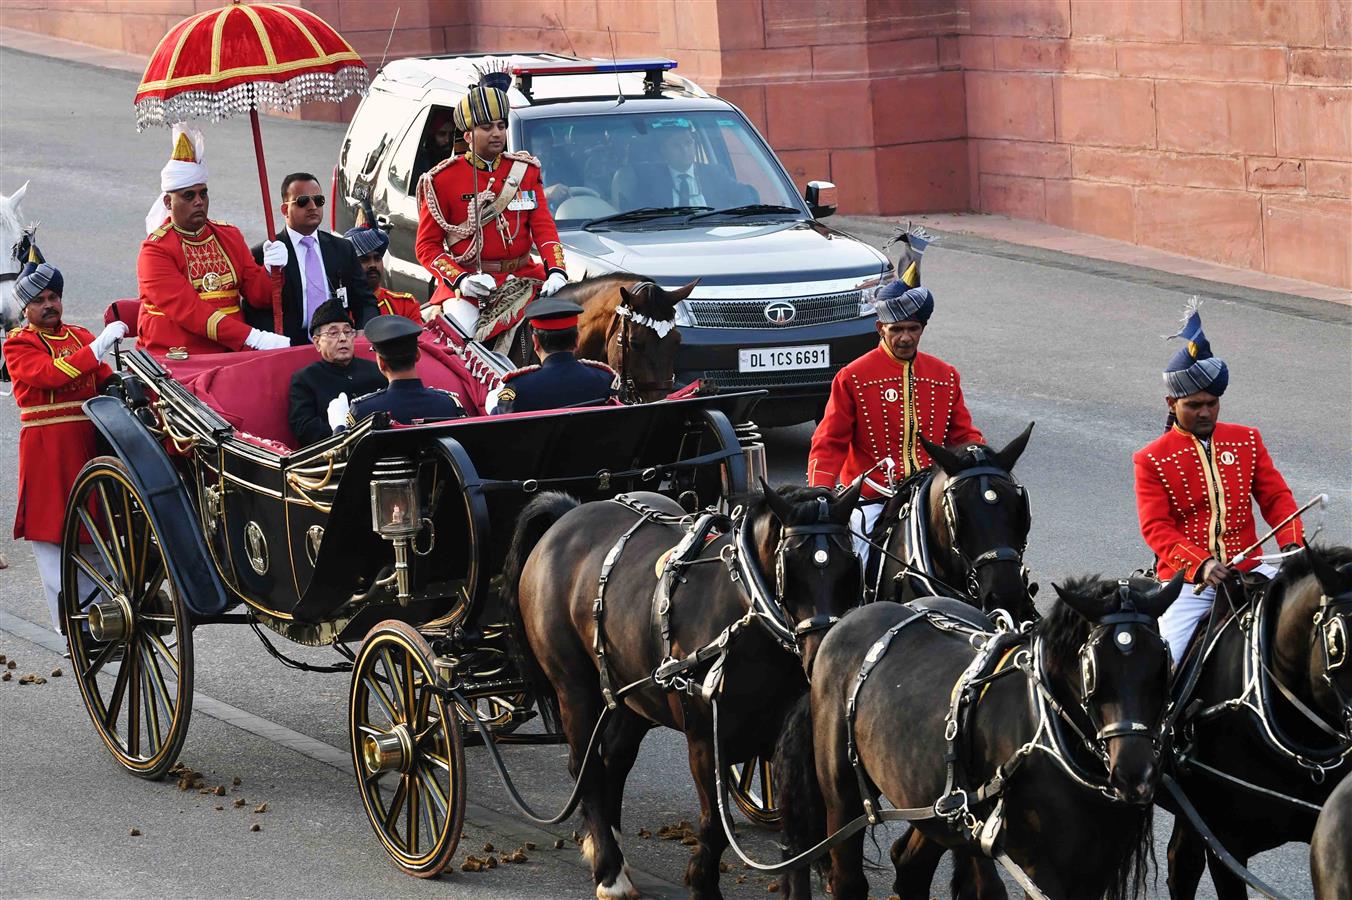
x=241, y=57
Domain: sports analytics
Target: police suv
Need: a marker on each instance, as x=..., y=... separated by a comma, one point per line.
x=782, y=301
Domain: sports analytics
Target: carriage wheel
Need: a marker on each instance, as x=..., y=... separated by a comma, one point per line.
x=752, y=788
x=407, y=750
x=128, y=631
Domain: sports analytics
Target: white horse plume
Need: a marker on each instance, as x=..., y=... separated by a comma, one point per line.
x=11, y=230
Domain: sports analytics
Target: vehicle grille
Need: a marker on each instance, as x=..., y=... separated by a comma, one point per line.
x=733, y=380
x=751, y=313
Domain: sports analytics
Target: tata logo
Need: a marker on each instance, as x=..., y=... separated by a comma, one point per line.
x=780, y=312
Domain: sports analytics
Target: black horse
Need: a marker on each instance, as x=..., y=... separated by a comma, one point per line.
x=1079, y=769
x=1331, y=847
x=964, y=522
x=557, y=558
x=1296, y=641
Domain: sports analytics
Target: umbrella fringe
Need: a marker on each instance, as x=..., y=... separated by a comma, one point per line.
x=282, y=96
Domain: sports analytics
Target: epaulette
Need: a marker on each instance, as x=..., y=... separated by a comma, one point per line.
x=452, y=394
x=399, y=295
x=521, y=156
x=159, y=232
x=517, y=372
x=597, y=364
x=14, y=331
x=355, y=400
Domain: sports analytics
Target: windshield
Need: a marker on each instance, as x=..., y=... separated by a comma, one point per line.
x=602, y=166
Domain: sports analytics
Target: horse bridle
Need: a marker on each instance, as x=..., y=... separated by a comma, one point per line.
x=1122, y=627
x=985, y=473
x=1332, y=630
x=18, y=252
x=823, y=533
x=627, y=318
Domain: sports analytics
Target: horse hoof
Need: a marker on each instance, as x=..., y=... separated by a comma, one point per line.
x=620, y=889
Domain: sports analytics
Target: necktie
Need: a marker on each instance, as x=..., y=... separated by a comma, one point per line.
x=683, y=190
x=316, y=288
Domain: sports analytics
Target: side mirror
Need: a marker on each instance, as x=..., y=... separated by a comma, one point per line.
x=821, y=198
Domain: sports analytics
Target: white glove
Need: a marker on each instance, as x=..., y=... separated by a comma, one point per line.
x=338, y=410
x=111, y=333
x=478, y=286
x=430, y=312
x=266, y=340
x=275, y=254
x=552, y=284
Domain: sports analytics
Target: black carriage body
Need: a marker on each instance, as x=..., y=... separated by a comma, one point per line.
x=291, y=536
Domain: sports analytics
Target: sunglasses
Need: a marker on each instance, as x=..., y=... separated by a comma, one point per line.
x=304, y=200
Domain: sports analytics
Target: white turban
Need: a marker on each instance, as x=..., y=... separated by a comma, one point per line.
x=186, y=167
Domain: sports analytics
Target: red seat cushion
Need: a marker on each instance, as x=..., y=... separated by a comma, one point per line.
x=250, y=390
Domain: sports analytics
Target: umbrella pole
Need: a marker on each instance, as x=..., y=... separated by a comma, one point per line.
x=276, y=274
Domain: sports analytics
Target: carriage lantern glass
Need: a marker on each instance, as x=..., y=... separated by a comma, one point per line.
x=395, y=512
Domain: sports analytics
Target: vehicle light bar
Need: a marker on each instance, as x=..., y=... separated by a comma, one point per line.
x=652, y=69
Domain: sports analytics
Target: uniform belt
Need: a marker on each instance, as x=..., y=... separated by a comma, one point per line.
x=35, y=413
x=54, y=420
x=505, y=265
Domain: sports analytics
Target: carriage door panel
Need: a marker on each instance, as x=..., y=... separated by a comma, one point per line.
x=255, y=532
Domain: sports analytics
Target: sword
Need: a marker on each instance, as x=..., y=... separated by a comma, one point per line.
x=1320, y=500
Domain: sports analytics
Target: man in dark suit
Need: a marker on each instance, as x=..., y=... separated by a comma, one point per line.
x=329, y=383
x=677, y=180
x=319, y=263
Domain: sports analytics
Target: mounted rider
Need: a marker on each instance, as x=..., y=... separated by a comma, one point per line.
x=881, y=401
x=194, y=272
x=1194, y=486
x=471, y=253
x=55, y=367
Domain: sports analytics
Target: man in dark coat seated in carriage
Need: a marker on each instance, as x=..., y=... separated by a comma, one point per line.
x=561, y=379
x=338, y=376
x=407, y=399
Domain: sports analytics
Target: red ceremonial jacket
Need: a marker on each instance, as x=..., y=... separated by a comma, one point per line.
x=877, y=407
x=398, y=303
x=526, y=223
x=1195, y=505
x=191, y=286
x=53, y=373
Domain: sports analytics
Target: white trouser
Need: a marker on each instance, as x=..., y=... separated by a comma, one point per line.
x=49, y=570
x=463, y=313
x=861, y=522
x=1180, y=619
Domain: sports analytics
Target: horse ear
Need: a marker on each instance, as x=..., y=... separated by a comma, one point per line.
x=680, y=293
x=944, y=458
x=1326, y=573
x=1090, y=608
x=1161, y=598
x=626, y=298
x=17, y=197
x=843, y=506
x=1010, y=453
x=778, y=505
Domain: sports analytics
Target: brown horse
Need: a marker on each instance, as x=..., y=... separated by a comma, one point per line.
x=628, y=322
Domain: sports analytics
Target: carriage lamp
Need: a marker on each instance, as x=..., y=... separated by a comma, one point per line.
x=396, y=516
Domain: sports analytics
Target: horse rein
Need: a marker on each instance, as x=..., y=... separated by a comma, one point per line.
x=625, y=318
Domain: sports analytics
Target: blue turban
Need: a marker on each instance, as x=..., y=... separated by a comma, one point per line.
x=37, y=278
x=895, y=302
x=1193, y=368
x=367, y=239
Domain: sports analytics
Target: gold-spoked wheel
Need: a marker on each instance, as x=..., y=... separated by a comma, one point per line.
x=407, y=750
x=129, y=634
x=751, y=786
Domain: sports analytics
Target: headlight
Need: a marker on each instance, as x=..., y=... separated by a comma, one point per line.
x=683, y=316
x=867, y=288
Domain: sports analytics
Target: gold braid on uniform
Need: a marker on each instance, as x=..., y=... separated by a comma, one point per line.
x=479, y=213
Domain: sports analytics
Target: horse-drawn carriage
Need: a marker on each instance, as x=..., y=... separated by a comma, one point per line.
x=202, y=512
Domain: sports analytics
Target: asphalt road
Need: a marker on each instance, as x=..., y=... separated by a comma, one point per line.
x=1071, y=344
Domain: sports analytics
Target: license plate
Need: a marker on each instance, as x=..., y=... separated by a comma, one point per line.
x=784, y=359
